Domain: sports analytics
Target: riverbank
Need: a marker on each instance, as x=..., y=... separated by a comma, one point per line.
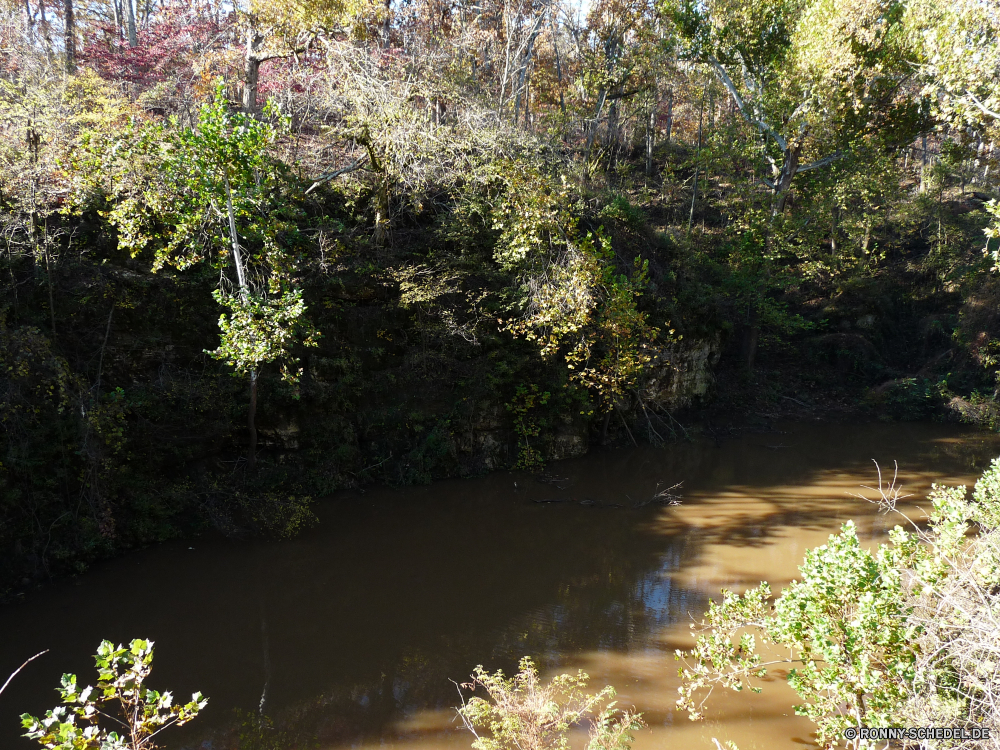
x=120, y=429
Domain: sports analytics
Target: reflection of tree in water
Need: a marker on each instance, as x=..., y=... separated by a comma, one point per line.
x=564, y=580
x=568, y=581
x=370, y=616
x=972, y=454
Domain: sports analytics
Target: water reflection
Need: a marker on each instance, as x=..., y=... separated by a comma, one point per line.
x=352, y=632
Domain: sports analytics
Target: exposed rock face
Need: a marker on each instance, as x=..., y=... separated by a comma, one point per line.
x=485, y=438
x=570, y=439
x=682, y=373
x=284, y=436
x=483, y=444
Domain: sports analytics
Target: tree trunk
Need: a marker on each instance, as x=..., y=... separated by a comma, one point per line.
x=610, y=55
x=559, y=77
x=252, y=422
x=43, y=24
x=613, y=136
x=694, y=193
x=670, y=112
x=234, y=241
x=528, y=124
x=251, y=70
x=650, y=140
x=592, y=134
x=70, y=37
x=525, y=62
x=833, y=230
x=382, y=224
x=133, y=40
x=244, y=295
x=783, y=184
x=116, y=8
x=923, y=165
x=594, y=123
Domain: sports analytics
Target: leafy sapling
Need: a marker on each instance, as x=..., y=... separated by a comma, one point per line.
x=214, y=193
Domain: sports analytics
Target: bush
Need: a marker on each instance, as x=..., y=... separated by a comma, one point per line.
x=907, y=635
x=144, y=712
x=527, y=715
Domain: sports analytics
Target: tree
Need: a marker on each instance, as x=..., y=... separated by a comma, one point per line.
x=172, y=56
x=218, y=191
x=70, y=35
x=276, y=30
x=959, y=45
x=616, y=49
x=810, y=76
x=142, y=712
x=577, y=305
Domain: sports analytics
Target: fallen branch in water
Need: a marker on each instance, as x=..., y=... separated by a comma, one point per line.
x=797, y=401
x=665, y=496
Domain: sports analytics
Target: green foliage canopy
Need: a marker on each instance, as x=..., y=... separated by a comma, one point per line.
x=215, y=194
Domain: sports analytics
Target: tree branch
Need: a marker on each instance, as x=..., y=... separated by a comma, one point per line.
x=627, y=94
x=982, y=107
x=822, y=162
x=747, y=115
x=14, y=673
x=336, y=173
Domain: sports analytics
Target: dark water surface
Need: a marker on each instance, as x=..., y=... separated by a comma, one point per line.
x=352, y=631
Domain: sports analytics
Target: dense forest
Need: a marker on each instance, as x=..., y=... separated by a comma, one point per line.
x=255, y=252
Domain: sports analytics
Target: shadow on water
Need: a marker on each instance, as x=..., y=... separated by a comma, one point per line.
x=352, y=632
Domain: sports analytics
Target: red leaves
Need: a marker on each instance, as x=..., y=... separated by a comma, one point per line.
x=166, y=50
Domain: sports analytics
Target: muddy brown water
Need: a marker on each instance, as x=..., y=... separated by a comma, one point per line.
x=352, y=632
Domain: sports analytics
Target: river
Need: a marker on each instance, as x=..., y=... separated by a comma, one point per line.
x=352, y=632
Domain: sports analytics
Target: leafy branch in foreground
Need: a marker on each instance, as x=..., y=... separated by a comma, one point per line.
x=525, y=714
x=142, y=713
x=906, y=635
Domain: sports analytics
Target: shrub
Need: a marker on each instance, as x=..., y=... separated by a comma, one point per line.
x=525, y=714
x=906, y=635
x=144, y=712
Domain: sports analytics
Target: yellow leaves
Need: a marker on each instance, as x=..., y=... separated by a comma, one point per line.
x=311, y=16
x=839, y=40
x=94, y=102
x=419, y=284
